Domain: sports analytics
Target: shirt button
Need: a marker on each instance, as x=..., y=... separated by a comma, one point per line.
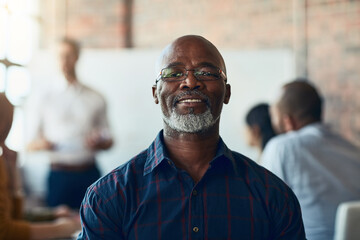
x=195, y=229
x=195, y=193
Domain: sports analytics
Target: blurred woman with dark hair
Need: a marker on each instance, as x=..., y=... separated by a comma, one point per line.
x=259, y=128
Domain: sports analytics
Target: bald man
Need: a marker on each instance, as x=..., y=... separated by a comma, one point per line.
x=188, y=184
x=321, y=167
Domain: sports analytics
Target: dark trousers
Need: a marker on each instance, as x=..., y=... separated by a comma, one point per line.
x=69, y=187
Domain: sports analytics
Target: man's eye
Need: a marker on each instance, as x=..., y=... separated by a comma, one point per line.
x=173, y=75
x=208, y=74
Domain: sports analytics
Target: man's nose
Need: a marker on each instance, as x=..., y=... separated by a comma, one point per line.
x=191, y=82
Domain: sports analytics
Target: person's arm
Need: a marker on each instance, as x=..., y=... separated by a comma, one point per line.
x=39, y=144
x=286, y=211
x=61, y=228
x=99, y=218
x=35, y=139
x=287, y=218
x=100, y=137
x=11, y=228
x=99, y=140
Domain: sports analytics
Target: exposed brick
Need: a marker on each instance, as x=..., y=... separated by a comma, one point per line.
x=332, y=36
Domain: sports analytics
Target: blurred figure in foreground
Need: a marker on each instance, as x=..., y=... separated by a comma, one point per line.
x=71, y=125
x=11, y=224
x=322, y=168
x=258, y=126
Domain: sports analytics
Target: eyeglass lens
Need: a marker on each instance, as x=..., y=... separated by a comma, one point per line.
x=205, y=73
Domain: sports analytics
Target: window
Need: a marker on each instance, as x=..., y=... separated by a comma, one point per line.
x=18, y=38
x=18, y=31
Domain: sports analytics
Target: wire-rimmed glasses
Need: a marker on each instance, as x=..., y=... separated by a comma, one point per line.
x=179, y=73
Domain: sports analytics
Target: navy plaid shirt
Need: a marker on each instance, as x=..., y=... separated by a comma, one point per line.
x=149, y=198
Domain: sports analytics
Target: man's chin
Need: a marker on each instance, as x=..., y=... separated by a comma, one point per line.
x=190, y=111
x=190, y=122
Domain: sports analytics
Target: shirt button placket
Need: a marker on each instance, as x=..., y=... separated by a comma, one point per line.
x=196, y=211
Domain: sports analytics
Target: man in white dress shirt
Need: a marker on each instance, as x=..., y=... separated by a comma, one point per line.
x=322, y=168
x=72, y=125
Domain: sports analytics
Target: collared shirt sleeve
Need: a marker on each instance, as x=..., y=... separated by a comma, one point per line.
x=99, y=219
x=287, y=219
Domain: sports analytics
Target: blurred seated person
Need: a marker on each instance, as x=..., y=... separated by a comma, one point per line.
x=258, y=126
x=70, y=123
x=12, y=226
x=320, y=166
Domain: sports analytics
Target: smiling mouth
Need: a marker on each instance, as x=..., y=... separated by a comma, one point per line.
x=190, y=100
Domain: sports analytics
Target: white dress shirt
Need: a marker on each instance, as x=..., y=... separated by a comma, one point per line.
x=321, y=168
x=67, y=115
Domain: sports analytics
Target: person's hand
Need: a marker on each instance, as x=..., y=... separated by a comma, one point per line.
x=40, y=144
x=63, y=211
x=68, y=225
x=64, y=227
x=97, y=140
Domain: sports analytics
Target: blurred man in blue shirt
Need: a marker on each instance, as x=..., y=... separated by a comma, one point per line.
x=322, y=168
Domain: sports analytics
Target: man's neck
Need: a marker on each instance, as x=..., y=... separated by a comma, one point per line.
x=192, y=151
x=71, y=78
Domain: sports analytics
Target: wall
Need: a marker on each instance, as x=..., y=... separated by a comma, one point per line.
x=334, y=60
x=125, y=78
x=324, y=36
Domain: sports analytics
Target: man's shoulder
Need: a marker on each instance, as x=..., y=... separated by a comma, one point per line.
x=255, y=172
x=90, y=91
x=262, y=183
x=285, y=138
x=121, y=177
x=280, y=144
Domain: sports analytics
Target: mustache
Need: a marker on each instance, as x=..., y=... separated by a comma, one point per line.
x=191, y=93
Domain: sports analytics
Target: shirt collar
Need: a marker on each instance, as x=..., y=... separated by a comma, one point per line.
x=62, y=84
x=157, y=153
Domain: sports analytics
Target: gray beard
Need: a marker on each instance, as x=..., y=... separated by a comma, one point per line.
x=189, y=123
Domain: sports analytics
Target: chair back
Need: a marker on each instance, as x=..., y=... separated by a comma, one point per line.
x=347, y=222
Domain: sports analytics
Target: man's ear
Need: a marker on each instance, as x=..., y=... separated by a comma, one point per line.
x=255, y=130
x=154, y=92
x=289, y=123
x=227, y=93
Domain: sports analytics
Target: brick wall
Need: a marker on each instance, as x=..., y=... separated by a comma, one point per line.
x=229, y=24
x=98, y=23
x=334, y=61
x=324, y=35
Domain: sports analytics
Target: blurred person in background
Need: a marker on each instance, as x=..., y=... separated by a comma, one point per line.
x=12, y=225
x=259, y=129
x=71, y=124
x=321, y=167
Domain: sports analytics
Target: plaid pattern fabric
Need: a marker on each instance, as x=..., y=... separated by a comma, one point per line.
x=149, y=198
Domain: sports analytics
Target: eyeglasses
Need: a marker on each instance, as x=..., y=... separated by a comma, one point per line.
x=204, y=73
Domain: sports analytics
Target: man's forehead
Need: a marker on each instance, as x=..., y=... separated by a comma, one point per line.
x=191, y=48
